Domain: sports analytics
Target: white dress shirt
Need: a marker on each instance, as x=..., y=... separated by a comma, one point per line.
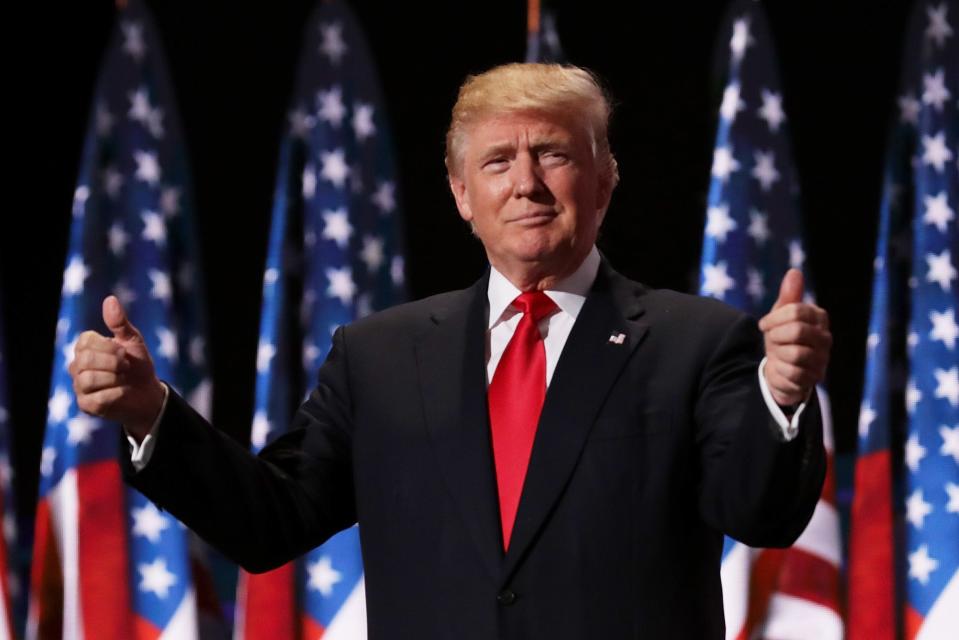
x=569, y=294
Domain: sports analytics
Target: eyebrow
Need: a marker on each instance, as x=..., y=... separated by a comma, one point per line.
x=541, y=145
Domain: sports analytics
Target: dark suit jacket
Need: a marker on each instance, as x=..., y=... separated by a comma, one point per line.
x=646, y=453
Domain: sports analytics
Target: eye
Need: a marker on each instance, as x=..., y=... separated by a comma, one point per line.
x=554, y=156
x=495, y=163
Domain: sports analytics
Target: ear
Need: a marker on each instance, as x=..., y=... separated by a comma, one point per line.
x=604, y=192
x=458, y=187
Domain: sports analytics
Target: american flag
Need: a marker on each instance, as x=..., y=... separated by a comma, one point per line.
x=9, y=578
x=904, y=571
x=107, y=563
x=542, y=39
x=753, y=235
x=334, y=255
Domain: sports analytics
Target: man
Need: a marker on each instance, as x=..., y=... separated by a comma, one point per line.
x=554, y=452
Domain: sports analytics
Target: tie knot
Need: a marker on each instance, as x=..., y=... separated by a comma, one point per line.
x=535, y=303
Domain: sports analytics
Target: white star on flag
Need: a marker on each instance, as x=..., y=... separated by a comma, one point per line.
x=260, y=430
x=310, y=353
x=950, y=442
x=372, y=253
x=765, y=169
x=124, y=294
x=797, y=257
x=117, y=238
x=331, y=107
x=161, y=289
x=732, y=103
x=168, y=344
x=154, y=123
x=80, y=197
x=741, y=39
x=309, y=180
x=133, y=40
x=47, y=458
x=398, y=270
x=909, y=109
x=913, y=396
x=941, y=270
x=921, y=564
x=866, y=417
x=112, y=182
x=935, y=152
x=301, y=123
x=334, y=168
x=938, y=211
x=323, y=576
x=724, y=163
x=754, y=284
x=154, y=227
x=155, y=578
x=74, y=276
x=719, y=223
x=772, y=110
x=270, y=276
x=947, y=384
x=944, y=327
x=170, y=201
x=938, y=28
x=148, y=168
x=934, y=89
x=81, y=428
x=758, y=227
x=337, y=227
x=917, y=509
x=915, y=452
x=363, y=125
x=140, y=108
x=148, y=522
x=384, y=197
x=716, y=282
x=953, y=491
x=198, y=351
x=264, y=354
x=332, y=46
x=341, y=284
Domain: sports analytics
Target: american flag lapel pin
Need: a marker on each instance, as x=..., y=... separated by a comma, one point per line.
x=617, y=338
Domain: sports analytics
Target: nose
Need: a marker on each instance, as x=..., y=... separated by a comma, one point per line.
x=526, y=178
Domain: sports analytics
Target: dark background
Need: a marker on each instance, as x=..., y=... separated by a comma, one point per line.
x=233, y=68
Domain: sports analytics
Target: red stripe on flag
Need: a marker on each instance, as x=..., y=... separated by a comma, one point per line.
x=311, y=629
x=871, y=579
x=144, y=629
x=762, y=583
x=807, y=576
x=269, y=606
x=4, y=576
x=913, y=621
x=46, y=579
x=104, y=578
x=829, y=486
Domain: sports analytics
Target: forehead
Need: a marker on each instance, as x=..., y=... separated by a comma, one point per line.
x=516, y=127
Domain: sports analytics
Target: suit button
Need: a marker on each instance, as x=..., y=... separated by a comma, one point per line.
x=506, y=597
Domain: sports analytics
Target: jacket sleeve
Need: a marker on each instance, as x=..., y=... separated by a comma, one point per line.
x=755, y=486
x=260, y=511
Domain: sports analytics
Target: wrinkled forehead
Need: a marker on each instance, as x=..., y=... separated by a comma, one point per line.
x=540, y=126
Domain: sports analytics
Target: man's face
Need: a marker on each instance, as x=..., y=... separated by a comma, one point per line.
x=530, y=186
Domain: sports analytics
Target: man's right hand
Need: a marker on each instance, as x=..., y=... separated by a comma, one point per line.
x=114, y=378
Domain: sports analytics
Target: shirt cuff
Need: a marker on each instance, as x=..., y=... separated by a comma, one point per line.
x=140, y=452
x=789, y=426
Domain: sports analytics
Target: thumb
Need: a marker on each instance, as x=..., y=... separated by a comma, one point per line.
x=791, y=289
x=116, y=320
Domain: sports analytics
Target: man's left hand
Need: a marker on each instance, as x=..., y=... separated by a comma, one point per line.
x=797, y=341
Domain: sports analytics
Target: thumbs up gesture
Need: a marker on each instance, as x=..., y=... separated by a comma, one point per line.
x=114, y=378
x=797, y=343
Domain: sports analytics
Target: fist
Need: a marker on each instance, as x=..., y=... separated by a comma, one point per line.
x=114, y=378
x=797, y=341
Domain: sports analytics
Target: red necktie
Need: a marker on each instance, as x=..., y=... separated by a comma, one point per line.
x=515, y=398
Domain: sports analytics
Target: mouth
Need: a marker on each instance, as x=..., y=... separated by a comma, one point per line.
x=533, y=218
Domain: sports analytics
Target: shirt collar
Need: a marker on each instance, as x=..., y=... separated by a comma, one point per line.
x=569, y=294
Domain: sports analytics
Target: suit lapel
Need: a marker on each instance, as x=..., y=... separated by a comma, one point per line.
x=451, y=361
x=573, y=400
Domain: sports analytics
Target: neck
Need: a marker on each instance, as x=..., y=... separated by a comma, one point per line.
x=527, y=276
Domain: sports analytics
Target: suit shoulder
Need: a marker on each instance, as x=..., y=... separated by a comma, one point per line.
x=683, y=308
x=409, y=317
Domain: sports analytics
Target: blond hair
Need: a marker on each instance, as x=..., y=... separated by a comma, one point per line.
x=536, y=87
